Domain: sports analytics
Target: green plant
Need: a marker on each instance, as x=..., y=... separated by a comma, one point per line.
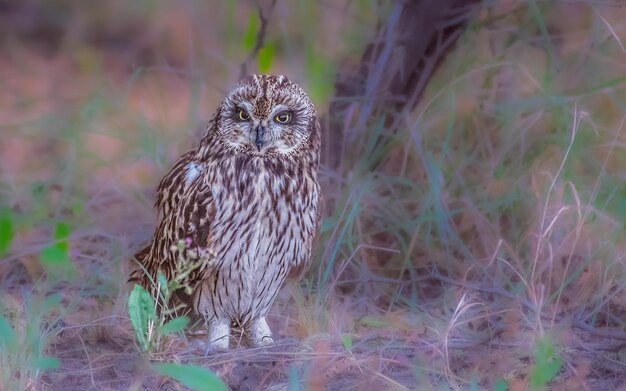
x=56, y=257
x=265, y=57
x=142, y=312
x=152, y=319
x=547, y=364
x=192, y=376
x=151, y=324
x=24, y=337
x=6, y=230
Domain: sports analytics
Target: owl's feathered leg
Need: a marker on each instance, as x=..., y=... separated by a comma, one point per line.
x=261, y=333
x=219, y=335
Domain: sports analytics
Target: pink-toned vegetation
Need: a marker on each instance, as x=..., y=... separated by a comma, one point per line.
x=479, y=244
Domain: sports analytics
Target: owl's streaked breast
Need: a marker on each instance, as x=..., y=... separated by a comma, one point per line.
x=256, y=237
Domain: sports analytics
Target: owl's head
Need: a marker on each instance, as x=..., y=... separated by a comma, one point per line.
x=266, y=115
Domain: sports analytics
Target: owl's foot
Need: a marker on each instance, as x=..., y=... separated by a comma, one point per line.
x=219, y=336
x=261, y=333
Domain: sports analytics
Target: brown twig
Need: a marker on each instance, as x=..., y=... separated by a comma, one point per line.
x=260, y=41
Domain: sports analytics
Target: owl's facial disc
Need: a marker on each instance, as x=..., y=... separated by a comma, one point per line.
x=267, y=127
x=266, y=115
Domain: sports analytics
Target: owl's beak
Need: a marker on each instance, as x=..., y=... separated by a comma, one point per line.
x=260, y=134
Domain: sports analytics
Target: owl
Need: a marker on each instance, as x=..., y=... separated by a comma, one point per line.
x=238, y=214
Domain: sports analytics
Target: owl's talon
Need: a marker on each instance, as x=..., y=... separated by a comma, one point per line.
x=212, y=348
x=261, y=333
x=266, y=341
x=219, y=336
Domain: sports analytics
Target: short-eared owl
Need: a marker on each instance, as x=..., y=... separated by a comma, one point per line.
x=243, y=205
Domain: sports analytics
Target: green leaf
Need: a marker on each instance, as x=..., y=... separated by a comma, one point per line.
x=162, y=283
x=77, y=209
x=500, y=385
x=249, y=38
x=141, y=311
x=542, y=374
x=55, y=257
x=7, y=335
x=61, y=234
x=346, y=341
x=45, y=363
x=57, y=262
x=192, y=376
x=265, y=57
x=372, y=322
x=547, y=364
x=544, y=350
x=6, y=231
x=174, y=325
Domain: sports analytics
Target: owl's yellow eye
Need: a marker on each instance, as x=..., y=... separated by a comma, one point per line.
x=283, y=118
x=242, y=115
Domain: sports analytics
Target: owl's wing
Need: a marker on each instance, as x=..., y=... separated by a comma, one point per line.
x=175, y=182
x=186, y=207
x=302, y=263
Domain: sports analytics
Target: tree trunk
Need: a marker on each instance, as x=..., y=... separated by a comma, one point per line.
x=394, y=69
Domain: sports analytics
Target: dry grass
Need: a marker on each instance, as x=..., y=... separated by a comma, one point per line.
x=480, y=242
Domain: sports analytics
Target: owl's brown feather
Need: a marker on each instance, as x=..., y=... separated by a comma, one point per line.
x=247, y=199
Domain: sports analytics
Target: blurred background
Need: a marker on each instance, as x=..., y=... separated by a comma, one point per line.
x=473, y=175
